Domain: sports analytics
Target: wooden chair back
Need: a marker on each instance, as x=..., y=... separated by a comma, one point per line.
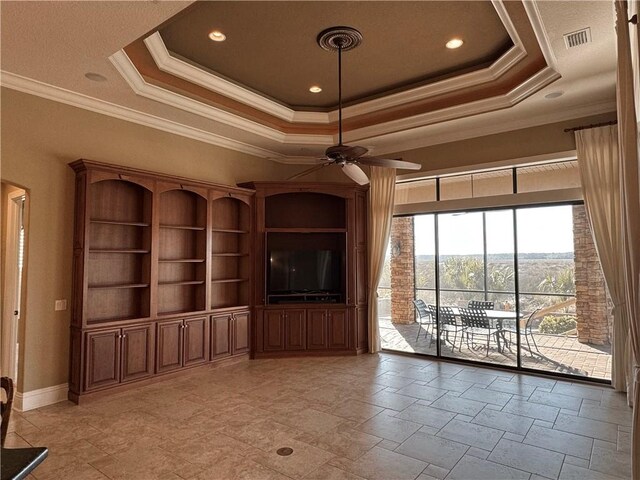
x=5, y=409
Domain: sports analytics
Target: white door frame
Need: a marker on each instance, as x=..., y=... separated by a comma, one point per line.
x=12, y=286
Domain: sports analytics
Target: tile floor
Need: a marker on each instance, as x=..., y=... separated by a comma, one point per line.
x=368, y=417
x=555, y=353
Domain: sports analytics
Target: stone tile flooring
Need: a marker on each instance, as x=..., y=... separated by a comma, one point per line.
x=556, y=353
x=373, y=417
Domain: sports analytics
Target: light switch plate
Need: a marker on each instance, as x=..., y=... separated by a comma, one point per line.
x=61, y=305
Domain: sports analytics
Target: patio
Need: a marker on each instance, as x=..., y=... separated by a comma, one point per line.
x=558, y=353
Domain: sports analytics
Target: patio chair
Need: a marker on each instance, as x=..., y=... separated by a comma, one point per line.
x=448, y=323
x=477, y=323
x=525, y=327
x=424, y=318
x=481, y=304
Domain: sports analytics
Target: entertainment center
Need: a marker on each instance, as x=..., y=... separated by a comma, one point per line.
x=310, y=293
x=171, y=273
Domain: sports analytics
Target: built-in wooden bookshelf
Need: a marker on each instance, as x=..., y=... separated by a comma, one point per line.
x=230, y=229
x=119, y=247
x=182, y=269
x=157, y=261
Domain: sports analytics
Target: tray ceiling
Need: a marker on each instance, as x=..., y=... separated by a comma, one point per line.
x=404, y=45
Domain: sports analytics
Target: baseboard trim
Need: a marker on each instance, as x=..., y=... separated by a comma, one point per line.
x=40, y=398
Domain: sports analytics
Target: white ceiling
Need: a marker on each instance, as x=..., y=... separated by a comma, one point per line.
x=47, y=47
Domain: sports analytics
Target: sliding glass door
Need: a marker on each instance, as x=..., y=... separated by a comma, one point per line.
x=499, y=287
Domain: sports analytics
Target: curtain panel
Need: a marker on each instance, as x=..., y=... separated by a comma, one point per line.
x=600, y=176
x=381, y=199
x=630, y=200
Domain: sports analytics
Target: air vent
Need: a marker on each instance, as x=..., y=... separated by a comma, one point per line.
x=577, y=38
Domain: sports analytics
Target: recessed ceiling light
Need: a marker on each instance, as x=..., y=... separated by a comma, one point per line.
x=454, y=43
x=553, y=95
x=315, y=89
x=95, y=77
x=217, y=36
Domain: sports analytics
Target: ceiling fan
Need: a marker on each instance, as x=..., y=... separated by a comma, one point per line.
x=342, y=39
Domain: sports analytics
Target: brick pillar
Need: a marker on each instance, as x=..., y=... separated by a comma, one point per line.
x=402, y=270
x=592, y=302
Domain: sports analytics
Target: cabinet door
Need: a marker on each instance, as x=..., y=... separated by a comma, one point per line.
x=196, y=341
x=103, y=359
x=169, y=351
x=338, y=329
x=241, y=333
x=316, y=329
x=273, y=330
x=138, y=345
x=220, y=336
x=295, y=330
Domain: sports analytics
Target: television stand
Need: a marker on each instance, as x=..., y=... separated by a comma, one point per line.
x=304, y=297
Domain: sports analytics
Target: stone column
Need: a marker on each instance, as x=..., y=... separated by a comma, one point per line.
x=402, y=270
x=592, y=302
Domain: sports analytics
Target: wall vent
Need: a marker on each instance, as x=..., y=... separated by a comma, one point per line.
x=577, y=38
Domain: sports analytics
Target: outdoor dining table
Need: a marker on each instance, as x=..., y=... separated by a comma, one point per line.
x=497, y=317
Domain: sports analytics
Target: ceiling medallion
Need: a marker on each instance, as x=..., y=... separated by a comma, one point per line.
x=335, y=38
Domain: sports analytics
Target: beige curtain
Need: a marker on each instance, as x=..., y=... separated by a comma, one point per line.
x=630, y=189
x=381, y=195
x=600, y=175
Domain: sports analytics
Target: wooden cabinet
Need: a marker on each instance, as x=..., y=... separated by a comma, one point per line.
x=182, y=343
x=295, y=337
x=155, y=258
x=322, y=228
x=230, y=334
x=119, y=355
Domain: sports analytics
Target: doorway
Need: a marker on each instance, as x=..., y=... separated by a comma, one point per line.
x=14, y=204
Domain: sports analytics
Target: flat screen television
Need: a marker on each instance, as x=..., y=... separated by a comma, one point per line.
x=304, y=271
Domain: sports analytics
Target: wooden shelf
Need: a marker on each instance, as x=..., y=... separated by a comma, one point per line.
x=230, y=254
x=228, y=230
x=115, y=222
x=182, y=260
x=120, y=285
x=305, y=230
x=117, y=250
x=230, y=280
x=178, y=312
x=182, y=227
x=188, y=282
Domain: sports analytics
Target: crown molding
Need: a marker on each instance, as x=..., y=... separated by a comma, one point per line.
x=182, y=69
x=168, y=63
x=58, y=94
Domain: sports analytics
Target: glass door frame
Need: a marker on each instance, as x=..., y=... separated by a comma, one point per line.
x=518, y=367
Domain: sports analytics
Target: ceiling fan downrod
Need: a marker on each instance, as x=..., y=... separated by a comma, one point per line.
x=340, y=39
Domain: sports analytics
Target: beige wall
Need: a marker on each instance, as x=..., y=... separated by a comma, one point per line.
x=516, y=144
x=39, y=138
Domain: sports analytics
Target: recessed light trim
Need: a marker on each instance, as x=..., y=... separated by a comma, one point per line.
x=554, y=95
x=315, y=89
x=95, y=77
x=454, y=43
x=217, y=36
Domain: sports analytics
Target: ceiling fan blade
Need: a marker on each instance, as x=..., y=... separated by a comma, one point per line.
x=355, y=173
x=309, y=171
x=388, y=162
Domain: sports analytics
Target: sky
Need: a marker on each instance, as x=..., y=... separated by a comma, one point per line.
x=540, y=230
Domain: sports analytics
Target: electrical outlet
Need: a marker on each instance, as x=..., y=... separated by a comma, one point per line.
x=61, y=305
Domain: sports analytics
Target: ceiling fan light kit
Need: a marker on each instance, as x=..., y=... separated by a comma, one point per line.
x=342, y=39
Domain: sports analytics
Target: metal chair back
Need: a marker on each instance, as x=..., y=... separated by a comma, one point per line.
x=481, y=304
x=475, y=318
x=421, y=308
